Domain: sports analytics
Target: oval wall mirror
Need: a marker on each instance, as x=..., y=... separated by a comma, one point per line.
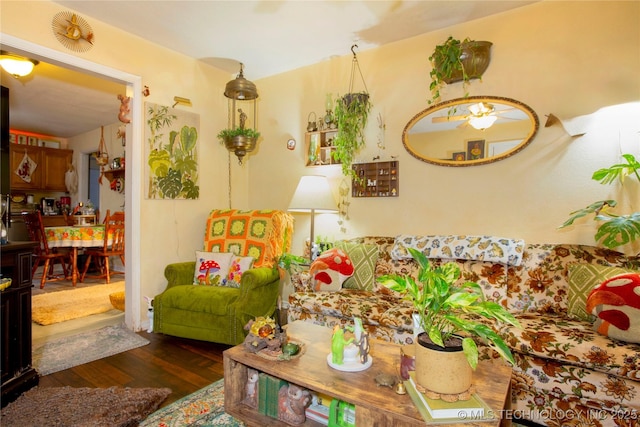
x=470, y=131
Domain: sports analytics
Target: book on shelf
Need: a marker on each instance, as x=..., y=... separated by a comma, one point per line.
x=268, y=392
x=436, y=411
x=319, y=408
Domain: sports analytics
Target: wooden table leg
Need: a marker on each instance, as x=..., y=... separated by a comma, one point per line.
x=74, y=265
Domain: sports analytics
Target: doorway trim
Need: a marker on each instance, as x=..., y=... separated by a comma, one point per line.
x=133, y=153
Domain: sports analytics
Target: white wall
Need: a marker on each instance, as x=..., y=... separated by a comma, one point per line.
x=565, y=58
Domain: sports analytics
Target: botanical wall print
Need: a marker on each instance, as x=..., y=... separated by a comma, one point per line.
x=172, y=153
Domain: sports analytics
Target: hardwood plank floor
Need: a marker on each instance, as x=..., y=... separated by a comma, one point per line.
x=182, y=365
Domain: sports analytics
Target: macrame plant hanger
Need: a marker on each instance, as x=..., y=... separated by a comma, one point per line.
x=101, y=156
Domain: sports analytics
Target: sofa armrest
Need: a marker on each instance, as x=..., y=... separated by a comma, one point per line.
x=255, y=278
x=259, y=289
x=180, y=273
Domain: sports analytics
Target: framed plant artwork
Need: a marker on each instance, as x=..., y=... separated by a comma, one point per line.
x=475, y=149
x=171, y=152
x=459, y=156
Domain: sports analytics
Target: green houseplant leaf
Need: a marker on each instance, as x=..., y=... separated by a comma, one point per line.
x=351, y=113
x=615, y=230
x=445, y=309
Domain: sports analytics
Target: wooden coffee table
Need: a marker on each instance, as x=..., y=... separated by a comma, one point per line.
x=375, y=405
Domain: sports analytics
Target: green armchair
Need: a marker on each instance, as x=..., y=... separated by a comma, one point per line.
x=219, y=313
x=216, y=314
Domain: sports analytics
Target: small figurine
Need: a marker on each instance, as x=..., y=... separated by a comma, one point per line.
x=292, y=402
x=251, y=395
x=124, y=109
x=337, y=345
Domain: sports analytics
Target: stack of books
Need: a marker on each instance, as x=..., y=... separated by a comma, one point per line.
x=436, y=411
x=319, y=408
x=268, y=389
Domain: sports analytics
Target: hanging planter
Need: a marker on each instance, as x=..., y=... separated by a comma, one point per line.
x=240, y=141
x=101, y=156
x=350, y=114
x=455, y=61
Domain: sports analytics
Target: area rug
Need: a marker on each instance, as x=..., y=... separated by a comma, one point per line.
x=67, y=352
x=57, y=307
x=203, y=408
x=95, y=407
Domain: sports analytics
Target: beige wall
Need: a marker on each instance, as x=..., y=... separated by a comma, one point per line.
x=169, y=230
x=566, y=58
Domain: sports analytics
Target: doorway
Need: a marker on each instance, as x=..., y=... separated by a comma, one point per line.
x=133, y=83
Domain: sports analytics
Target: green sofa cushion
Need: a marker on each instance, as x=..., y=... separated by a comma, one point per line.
x=204, y=299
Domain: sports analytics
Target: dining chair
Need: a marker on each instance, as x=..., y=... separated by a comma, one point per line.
x=113, y=246
x=42, y=252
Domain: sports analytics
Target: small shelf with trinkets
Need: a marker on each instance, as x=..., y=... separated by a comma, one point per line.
x=376, y=179
x=320, y=147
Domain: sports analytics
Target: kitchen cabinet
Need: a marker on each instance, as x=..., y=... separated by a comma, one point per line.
x=18, y=374
x=52, y=163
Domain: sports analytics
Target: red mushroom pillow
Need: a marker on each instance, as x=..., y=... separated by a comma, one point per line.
x=211, y=268
x=616, y=304
x=330, y=270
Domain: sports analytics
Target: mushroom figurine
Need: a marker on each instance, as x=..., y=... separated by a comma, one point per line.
x=616, y=303
x=207, y=267
x=333, y=265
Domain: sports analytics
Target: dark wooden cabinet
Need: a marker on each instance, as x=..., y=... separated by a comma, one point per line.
x=17, y=371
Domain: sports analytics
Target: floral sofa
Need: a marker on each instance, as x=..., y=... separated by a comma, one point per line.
x=566, y=373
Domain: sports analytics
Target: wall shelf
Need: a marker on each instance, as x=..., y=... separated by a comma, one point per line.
x=112, y=174
x=378, y=179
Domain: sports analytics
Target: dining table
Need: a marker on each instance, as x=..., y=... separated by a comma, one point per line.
x=75, y=237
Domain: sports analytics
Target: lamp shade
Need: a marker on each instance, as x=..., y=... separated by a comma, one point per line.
x=17, y=66
x=313, y=194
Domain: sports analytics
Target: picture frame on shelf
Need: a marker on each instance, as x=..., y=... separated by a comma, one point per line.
x=475, y=149
x=459, y=156
x=22, y=140
x=13, y=138
x=33, y=141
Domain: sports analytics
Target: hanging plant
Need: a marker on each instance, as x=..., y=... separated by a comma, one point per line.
x=351, y=113
x=455, y=61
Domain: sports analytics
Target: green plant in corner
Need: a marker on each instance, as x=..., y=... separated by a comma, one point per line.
x=446, y=310
x=615, y=230
x=351, y=113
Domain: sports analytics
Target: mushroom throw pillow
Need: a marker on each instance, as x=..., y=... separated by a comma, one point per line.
x=583, y=278
x=211, y=268
x=330, y=270
x=616, y=303
x=364, y=258
x=239, y=264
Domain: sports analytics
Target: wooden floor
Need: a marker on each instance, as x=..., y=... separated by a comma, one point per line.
x=180, y=364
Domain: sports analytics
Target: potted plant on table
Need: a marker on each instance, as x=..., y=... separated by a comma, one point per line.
x=446, y=314
x=455, y=61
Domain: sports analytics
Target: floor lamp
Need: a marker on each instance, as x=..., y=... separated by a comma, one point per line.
x=313, y=195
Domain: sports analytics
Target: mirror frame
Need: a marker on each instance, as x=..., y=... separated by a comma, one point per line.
x=470, y=99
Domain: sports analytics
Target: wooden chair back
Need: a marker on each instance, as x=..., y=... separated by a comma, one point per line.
x=35, y=228
x=114, y=233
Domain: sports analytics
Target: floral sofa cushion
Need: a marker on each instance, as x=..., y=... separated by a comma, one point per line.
x=540, y=283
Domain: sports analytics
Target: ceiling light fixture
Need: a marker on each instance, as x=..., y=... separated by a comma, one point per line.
x=482, y=115
x=17, y=66
x=482, y=122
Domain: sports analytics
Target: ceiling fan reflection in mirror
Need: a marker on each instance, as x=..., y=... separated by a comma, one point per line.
x=481, y=115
